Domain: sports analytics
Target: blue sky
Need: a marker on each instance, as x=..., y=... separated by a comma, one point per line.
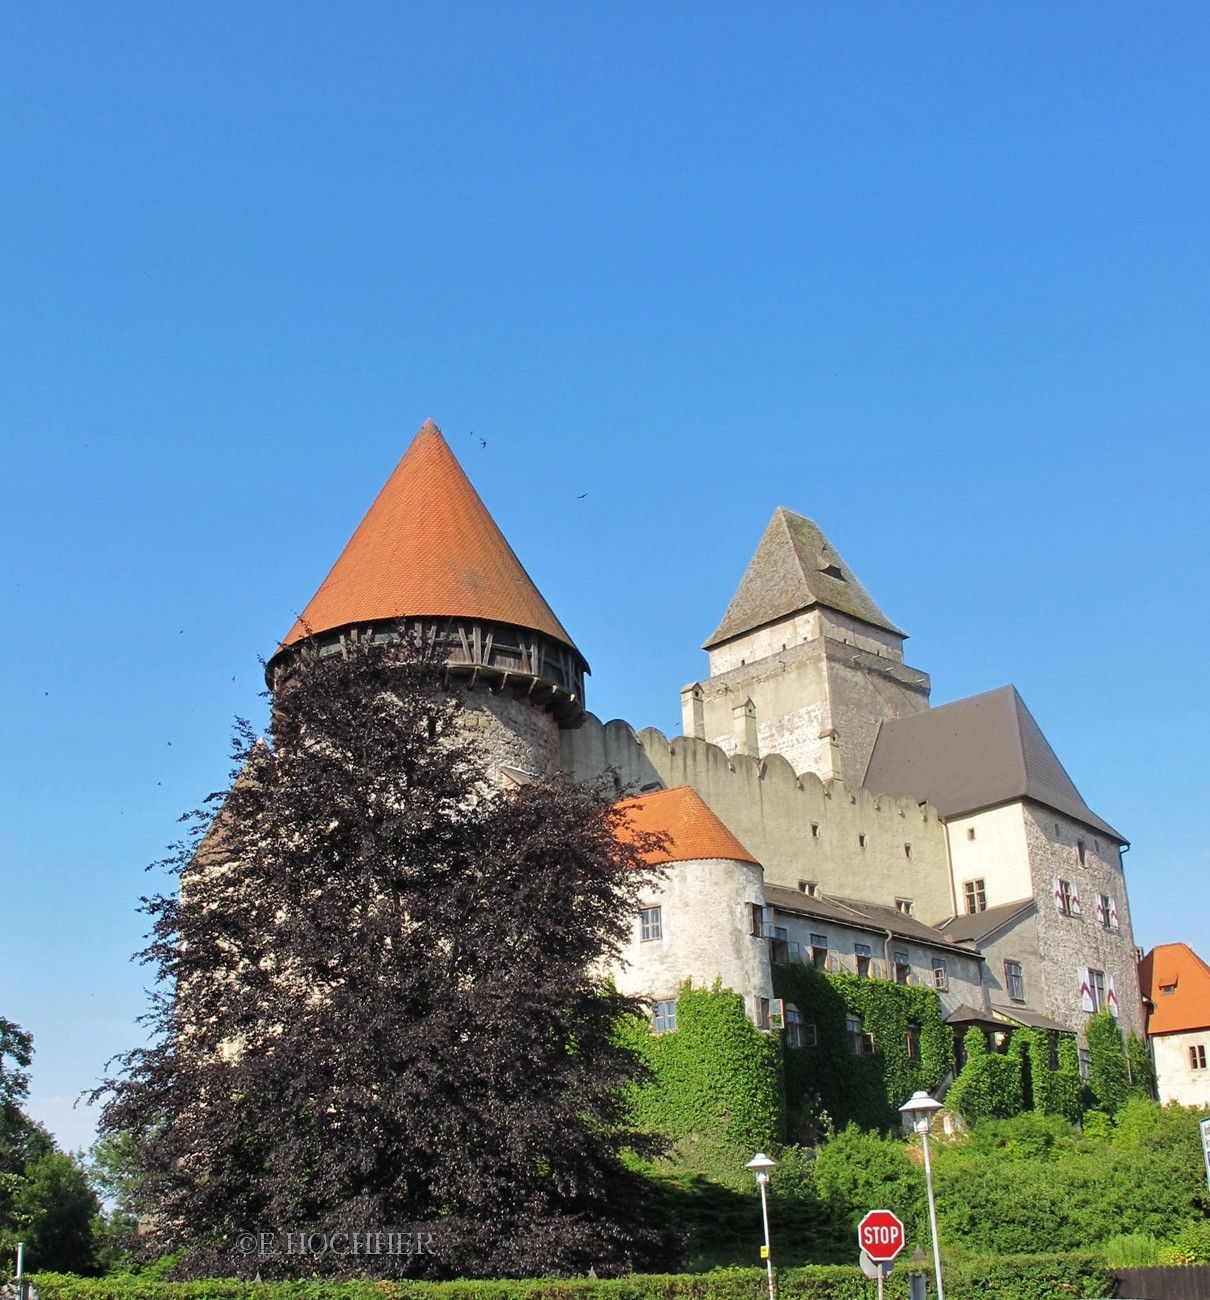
x=935, y=275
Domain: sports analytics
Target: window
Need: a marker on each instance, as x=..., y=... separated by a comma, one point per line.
x=904, y=905
x=1197, y=1057
x=762, y=1014
x=903, y=968
x=664, y=1020
x=1107, y=912
x=976, y=896
x=913, y=1042
x=819, y=951
x=1096, y=988
x=1066, y=899
x=1085, y=1062
x=860, y=1043
x=808, y=887
x=815, y=830
x=970, y=832
x=941, y=980
x=1014, y=981
x=650, y=924
x=794, y=1036
x=761, y=921
x=862, y=953
x=861, y=841
x=1080, y=851
x=907, y=851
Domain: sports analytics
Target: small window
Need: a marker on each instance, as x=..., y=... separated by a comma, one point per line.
x=664, y=1019
x=810, y=1034
x=913, y=1043
x=1014, y=981
x=1085, y=1062
x=856, y=1035
x=1080, y=852
x=903, y=968
x=815, y=830
x=975, y=892
x=970, y=832
x=651, y=924
x=861, y=841
x=941, y=979
x=762, y=1014
x=808, y=887
x=1096, y=989
x=862, y=953
x=907, y=851
x=1197, y=1057
x=819, y=951
x=794, y=1026
x=1064, y=897
x=904, y=905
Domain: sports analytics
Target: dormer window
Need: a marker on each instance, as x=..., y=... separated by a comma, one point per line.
x=833, y=571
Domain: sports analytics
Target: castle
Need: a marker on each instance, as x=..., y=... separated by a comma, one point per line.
x=816, y=808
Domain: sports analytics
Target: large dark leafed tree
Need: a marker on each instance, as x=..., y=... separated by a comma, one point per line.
x=381, y=1002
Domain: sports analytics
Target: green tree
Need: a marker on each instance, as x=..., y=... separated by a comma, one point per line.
x=53, y=1209
x=391, y=1011
x=990, y=1085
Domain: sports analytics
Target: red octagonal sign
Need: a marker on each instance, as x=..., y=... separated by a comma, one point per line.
x=880, y=1234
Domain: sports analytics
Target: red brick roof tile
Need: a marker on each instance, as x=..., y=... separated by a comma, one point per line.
x=427, y=547
x=692, y=830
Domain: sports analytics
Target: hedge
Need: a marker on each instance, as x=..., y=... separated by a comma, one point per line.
x=1021, y=1277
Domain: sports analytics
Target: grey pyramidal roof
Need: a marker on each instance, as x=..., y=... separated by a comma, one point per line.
x=975, y=753
x=795, y=567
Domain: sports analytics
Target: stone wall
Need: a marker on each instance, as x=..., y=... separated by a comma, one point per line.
x=513, y=732
x=821, y=684
x=851, y=843
x=1066, y=943
x=705, y=934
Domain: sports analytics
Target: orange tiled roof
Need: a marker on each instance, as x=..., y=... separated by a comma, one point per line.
x=692, y=829
x=427, y=547
x=1177, y=967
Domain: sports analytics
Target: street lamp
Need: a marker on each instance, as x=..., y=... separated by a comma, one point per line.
x=920, y=1109
x=760, y=1164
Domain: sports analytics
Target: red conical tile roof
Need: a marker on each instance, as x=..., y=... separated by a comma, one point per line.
x=690, y=827
x=427, y=547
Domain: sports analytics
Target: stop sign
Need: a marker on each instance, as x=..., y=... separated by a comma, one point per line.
x=880, y=1234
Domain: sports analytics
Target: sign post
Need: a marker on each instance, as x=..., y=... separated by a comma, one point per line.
x=881, y=1237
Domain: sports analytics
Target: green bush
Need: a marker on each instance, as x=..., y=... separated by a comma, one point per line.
x=1191, y=1245
x=1132, y=1250
x=990, y=1086
x=1034, y=1277
x=1108, y=1077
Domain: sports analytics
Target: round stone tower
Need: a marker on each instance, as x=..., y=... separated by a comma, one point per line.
x=430, y=556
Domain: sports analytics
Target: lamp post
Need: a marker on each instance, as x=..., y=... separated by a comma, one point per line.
x=760, y=1164
x=920, y=1108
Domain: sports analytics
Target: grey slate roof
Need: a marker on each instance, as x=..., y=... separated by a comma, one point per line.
x=861, y=916
x=795, y=567
x=976, y=926
x=972, y=754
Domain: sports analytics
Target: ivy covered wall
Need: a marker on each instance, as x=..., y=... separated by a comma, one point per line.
x=828, y=1081
x=715, y=1088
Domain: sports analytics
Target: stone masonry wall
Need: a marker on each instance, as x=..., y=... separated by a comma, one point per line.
x=1066, y=943
x=514, y=733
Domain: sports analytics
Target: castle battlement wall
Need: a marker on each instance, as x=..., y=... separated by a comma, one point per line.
x=851, y=843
